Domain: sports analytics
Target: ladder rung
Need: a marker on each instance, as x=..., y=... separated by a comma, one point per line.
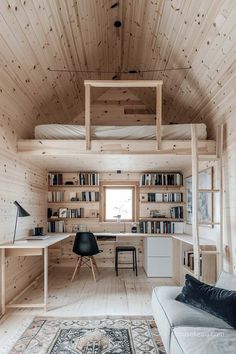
x=209, y=223
x=208, y=158
x=209, y=190
x=209, y=252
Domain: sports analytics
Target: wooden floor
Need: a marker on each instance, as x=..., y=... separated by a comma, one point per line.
x=110, y=295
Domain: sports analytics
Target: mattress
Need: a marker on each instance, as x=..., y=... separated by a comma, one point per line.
x=144, y=132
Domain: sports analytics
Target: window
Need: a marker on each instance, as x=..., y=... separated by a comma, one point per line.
x=119, y=203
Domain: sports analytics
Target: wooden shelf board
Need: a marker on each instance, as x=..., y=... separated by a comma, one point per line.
x=188, y=269
x=57, y=219
x=155, y=234
x=73, y=185
x=173, y=203
x=159, y=219
x=163, y=188
x=70, y=202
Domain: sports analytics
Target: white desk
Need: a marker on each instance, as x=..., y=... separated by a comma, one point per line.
x=28, y=248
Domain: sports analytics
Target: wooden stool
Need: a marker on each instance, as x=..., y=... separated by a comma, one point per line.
x=134, y=258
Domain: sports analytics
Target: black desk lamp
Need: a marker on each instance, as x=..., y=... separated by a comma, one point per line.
x=21, y=213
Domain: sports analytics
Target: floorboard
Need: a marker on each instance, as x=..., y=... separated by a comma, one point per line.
x=110, y=295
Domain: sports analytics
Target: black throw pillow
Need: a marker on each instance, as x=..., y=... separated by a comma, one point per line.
x=218, y=302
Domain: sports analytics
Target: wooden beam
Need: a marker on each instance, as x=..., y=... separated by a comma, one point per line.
x=3, y=282
x=123, y=83
x=88, y=116
x=78, y=147
x=45, y=261
x=220, y=235
x=195, y=228
x=158, y=115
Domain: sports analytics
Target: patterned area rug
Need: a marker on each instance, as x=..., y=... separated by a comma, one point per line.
x=90, y=336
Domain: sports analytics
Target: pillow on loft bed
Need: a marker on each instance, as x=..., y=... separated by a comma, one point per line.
x=137, y=132
x=217, y=301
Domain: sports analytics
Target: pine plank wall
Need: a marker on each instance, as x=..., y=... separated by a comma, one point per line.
x=26, y=184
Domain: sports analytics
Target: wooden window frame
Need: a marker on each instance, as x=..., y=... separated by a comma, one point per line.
x=120, y=185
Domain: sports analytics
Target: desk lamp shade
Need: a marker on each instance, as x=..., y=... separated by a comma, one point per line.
x=21, y=213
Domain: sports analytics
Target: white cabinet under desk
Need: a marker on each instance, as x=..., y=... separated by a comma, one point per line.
x=158, y=256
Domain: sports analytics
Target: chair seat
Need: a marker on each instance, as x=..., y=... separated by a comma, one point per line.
x=125, y=248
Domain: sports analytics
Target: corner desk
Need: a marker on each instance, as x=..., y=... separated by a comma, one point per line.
x=25, y=247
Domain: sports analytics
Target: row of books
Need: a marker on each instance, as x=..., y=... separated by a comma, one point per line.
x=56, y=226
x=177, y=212
x=71, y=213
x=91, y=179
x=90, y=196
x=55, y=179
x=161, y=179
x=189, y=260
x=82, y=179
x=56, y=196
x=161, y=227
x=165, y=197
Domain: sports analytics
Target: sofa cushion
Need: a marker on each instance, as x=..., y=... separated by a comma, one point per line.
x=179, y=314
x=216, y=301
x=203, y=340
x=162, y=321
x=226, y=281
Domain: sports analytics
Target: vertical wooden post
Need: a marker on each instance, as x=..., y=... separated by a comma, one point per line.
x=195, y=222
x=220, y=238
x=158, y=115
x=88, y=115
x=3, y=282
x=45, y=278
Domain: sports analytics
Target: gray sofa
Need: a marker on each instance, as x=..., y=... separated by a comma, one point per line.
x=188, y=330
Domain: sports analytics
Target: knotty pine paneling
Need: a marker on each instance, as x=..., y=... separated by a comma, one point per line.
x=28, y=185
x=118, y=106
x=155, y=36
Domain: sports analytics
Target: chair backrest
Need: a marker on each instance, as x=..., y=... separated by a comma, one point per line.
x=85, y=244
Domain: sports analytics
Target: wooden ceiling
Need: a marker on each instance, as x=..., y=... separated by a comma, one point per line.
x=80, y=35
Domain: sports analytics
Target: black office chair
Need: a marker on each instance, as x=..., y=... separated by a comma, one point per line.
x=85, y=246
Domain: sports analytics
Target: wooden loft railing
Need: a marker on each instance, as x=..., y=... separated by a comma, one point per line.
x=123, y=83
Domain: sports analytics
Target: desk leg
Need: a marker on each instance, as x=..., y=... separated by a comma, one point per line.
x=3, y=281
x=45, y=278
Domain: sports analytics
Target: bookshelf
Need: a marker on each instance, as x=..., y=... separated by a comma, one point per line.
x=185, y=259
x=72, y=197
x=161, y=203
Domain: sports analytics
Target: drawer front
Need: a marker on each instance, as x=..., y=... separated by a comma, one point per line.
x=159, y=267
x=159, y=246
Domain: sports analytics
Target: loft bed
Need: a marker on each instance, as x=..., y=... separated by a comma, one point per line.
x=59, y=139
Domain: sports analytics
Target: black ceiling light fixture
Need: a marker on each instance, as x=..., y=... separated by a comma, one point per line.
x=117, y=24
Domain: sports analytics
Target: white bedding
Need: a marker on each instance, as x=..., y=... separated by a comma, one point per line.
x=145, y=132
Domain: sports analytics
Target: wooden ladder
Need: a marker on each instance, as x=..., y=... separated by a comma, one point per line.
x=196, y=158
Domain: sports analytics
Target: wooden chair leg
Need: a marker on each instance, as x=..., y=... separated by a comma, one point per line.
x=77, y=267
x=91, y=263
x=95, y=264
